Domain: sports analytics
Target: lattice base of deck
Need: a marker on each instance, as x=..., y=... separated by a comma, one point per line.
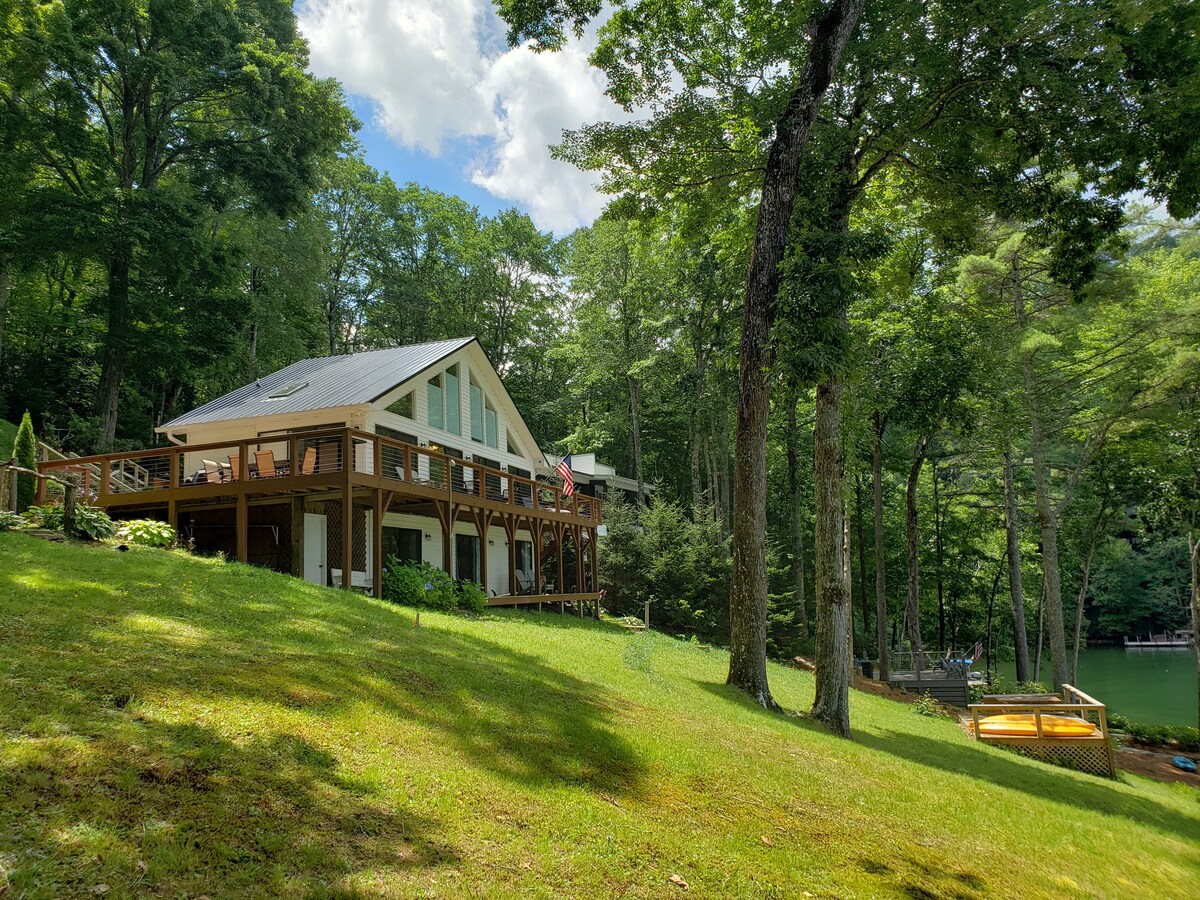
x=1085, y=755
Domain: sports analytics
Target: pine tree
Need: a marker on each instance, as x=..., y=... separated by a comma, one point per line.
x=25, y=453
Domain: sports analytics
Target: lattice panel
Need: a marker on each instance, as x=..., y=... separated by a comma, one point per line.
x=1094, y=757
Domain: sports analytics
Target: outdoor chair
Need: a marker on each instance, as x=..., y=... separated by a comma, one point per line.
x=524, y=584
x=308, y=464
x=265, y=460
x=235, y=466
x=212, y=471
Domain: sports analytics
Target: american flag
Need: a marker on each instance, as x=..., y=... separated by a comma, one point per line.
x=564, y=469
x=977, y=650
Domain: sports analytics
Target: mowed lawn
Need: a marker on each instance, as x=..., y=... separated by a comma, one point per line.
x=172, y=726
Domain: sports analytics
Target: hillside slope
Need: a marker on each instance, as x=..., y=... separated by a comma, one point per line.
x=172, y=726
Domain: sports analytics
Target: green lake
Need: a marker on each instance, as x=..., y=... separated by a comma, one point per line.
x=1155, y=687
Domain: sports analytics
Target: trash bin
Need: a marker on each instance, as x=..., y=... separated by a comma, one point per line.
x=868, y=667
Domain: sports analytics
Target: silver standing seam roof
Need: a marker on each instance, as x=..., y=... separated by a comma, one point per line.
x=322, y=383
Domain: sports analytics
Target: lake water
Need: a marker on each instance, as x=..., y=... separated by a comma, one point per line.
x=1155, y=687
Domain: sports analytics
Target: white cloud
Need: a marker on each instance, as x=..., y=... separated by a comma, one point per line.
x=438, y=71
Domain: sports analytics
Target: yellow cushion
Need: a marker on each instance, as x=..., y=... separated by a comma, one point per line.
x=1023, y=725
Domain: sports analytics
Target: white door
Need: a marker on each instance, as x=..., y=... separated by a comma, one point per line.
x=315, y=548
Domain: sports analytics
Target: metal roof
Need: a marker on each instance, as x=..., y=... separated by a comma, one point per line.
x=322, y=383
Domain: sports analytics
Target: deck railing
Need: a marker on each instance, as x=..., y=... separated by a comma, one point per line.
x=266, y=458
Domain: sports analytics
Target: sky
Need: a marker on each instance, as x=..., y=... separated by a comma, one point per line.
x=446, y=103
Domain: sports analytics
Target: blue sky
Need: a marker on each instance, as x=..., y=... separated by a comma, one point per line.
x=446, y=103
x=446, y=173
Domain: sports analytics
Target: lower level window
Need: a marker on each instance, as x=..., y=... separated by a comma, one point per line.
x=466, y=557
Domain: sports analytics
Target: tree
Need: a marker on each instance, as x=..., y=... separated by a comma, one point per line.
x=25, y=453
x=144, y=117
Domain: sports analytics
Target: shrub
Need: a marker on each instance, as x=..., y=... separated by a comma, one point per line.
x=418, y=584
x=91, y=522
x=925, y=705
x=25, y=453
x=10, y=520
x=470, y=597
x=147, y=533
x=1004, y=685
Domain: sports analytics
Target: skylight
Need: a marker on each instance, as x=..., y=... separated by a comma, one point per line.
x=287, y=390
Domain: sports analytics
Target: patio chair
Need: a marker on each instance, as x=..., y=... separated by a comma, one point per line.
x=308, y=464
x=212, y=471
x=235, y=466
x=524, y=583
x=265, y=460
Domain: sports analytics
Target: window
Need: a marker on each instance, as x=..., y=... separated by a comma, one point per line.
x=476, y=412
x=402, y=543
x=466, y=553
x=453, y=402
x=489, y=418
x=287, y=390
x=396, y=435
x=435, y=402
x=403, y=406
x=525, y=557
x=512, y=447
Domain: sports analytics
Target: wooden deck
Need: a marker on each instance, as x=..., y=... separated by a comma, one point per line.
x=361, y=471
x=1093, y=753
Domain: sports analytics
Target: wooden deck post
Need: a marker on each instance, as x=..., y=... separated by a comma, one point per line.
x=243, y=527
x=535, y=530
x=559, y=530
x=510, y=532
x=447, y=536
x=298, y=536
x=347, y=511
x=593, y=553
x=577, y=539
x=380, y=508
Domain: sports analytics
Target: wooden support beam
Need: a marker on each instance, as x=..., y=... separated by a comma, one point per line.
x=577, y=539
x=447, y=534
x=559, y=530
x=377, y=543
x=535, y=530
x=243, y=527
x=347, y=538
x=510, y=532
x=298, y=536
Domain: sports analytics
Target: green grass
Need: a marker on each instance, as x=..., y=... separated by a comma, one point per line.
x=173, y=726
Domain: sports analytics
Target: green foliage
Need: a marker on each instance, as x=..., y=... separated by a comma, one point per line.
x=147, y=533
x=428, y=587
x=1005, y=685
x=679, y=564
x=1180, y=737
x=91, y=522
x=10, y=520
x=25, y=453
x=926, y=705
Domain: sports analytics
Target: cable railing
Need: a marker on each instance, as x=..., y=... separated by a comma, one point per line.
x=313, y=453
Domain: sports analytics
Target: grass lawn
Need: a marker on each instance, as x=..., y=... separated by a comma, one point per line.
x=172, y=726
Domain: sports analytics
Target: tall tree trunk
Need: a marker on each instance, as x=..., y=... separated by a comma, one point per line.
x=1012, y=527
x=1083, y=586
x=5, y=289
x=1194, y=547
x=1048, y=525
x=635, y=432
x=832, y=702
x=914, y=549
x=795, y=505
x=881, y=610
x=116, y=345
x=862, y=557
x=1046, y=513
x=694, y=440
x=939, y=557
x=829, y=32
x=1037, y=662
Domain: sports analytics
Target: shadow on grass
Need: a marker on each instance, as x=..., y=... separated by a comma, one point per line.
x=796, y=717
x=1012, y=772
x=87, y=763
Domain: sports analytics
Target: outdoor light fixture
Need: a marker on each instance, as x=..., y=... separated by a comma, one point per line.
x=428, y=536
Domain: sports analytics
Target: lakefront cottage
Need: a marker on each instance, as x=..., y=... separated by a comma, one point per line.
x=333, y=465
